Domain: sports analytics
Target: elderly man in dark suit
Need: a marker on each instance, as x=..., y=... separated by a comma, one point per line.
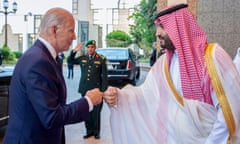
x=38, y=109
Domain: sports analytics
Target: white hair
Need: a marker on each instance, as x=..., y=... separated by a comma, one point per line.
x=54, y=16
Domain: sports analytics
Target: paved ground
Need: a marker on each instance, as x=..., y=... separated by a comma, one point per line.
x=75, y=132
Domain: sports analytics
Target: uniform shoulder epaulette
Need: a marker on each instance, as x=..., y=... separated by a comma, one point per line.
x=81, y=55
x=102, y=56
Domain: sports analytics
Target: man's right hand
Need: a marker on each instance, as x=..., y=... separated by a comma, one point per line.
x=78, y=47
x=95, y=95
x=110, y=96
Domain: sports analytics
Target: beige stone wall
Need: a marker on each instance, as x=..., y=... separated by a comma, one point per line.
x=123, y=22
x=221, y=21
x=192, y=4
x=12, y=39
x=161, y=4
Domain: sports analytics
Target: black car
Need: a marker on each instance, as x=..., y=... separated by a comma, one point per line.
x=122, y=64
x=1, y=58
x=5, y=78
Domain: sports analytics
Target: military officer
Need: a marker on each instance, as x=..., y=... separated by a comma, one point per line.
x=93, y=75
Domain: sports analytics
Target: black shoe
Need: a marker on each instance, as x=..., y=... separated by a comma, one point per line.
x=87, y=135
x=97, y=136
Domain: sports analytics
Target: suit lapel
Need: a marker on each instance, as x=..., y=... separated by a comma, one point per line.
x=58, y=71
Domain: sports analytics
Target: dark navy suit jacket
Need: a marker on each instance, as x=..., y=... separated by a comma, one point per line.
x=38, y=109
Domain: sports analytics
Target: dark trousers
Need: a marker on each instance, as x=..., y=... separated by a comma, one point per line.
x=63, y=136
x=94, y=123
x=70, y=71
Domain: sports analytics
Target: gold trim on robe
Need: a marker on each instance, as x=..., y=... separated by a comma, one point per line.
x=220, y=93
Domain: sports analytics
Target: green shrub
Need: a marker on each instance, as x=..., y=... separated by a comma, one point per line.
x=118, y=38
x=8, y=55
x=11, y=56
x=18, y=54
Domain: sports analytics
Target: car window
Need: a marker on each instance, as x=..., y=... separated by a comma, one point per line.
x=114, y=54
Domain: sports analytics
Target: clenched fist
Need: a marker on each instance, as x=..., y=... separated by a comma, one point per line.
x=95, y=95
x=110, y=96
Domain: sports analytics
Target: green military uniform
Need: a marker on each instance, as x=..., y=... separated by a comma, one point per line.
x=93, y=75
x=93, y=72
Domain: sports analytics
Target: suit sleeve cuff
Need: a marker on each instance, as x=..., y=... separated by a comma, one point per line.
x=89, y=103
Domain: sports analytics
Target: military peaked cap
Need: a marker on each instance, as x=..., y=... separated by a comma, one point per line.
x=90, y=42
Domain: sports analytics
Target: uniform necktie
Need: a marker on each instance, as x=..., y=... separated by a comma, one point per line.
x=90, y=57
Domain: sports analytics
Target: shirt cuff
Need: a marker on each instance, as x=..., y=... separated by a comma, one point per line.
x=89, y=103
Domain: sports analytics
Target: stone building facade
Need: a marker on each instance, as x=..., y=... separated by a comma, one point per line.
x=13, y=39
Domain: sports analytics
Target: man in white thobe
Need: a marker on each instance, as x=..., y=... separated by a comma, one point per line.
x=191, y=94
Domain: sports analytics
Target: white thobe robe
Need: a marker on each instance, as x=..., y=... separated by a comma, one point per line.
x=150, y=114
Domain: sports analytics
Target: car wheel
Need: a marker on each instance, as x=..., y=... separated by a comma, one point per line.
x=133, y=82
x=138, y=73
